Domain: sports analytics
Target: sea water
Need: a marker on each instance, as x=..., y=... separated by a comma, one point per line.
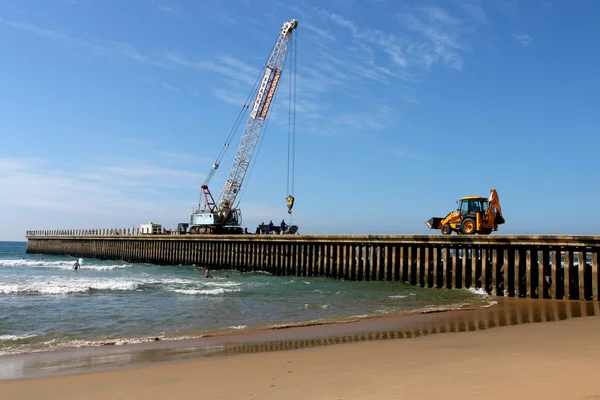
x=45, y=304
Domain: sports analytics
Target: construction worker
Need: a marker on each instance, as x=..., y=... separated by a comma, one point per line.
x=283, y=225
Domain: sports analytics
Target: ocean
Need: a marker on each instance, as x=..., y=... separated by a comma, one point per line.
x=46, y=305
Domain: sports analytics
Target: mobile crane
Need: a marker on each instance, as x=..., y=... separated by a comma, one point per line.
x=223, y=215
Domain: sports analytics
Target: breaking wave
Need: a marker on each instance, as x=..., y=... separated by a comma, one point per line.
x=478, y=291
x=60, y=265
x=204, y=291
x=6, y=338
x=57, y=285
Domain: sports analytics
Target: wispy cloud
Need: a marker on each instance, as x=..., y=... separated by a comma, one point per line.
x=235, y=98
x=523, y=39
x=226, y=19
x=167, y=9
x=426, y=37
x=159, y=82
x=42, y=194
x=129, y=51
x=226, y=65
x=103, y=47
x=436, y=38
x=322, y=33
x=167, y=86
x=342, y=123
x=38, y=31
x=106, y=188
x=405, y=152
x=476, y=11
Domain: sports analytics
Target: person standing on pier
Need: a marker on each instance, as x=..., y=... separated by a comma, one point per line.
x=270, y=227
x=283, y=225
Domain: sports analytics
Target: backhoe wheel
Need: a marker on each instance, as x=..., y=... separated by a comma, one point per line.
x=468, y=226
x=446, y=230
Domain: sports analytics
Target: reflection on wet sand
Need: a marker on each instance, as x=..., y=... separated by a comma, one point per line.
x=507, y=312
x=529, y=312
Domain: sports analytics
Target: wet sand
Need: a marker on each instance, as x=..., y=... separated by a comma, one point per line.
x=451, y=354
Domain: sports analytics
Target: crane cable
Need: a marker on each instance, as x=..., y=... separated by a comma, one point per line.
x=264, y=133
x=292, y=125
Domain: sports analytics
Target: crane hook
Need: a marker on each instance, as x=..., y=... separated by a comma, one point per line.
x=290, y=203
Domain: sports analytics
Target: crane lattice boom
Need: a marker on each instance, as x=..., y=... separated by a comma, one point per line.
x=256, y=120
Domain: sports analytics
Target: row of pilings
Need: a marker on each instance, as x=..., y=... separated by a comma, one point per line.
x=553, y=267
x=90, y=232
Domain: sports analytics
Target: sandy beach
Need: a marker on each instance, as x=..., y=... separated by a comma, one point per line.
x=558, y=358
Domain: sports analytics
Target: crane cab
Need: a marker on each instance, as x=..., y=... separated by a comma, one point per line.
x=208, y=222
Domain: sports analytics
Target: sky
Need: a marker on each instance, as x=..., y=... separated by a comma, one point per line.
x=112, y=113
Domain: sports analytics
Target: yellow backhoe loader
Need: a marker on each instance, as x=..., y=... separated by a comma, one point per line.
x=474, y=215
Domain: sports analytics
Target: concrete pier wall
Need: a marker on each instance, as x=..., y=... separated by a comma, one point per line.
x=552, y=267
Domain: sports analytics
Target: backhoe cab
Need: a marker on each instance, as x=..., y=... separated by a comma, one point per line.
x=474, y=215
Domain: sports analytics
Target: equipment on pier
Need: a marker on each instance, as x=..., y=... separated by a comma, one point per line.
x=474, y=215
x=224, y=215
x=150, y=228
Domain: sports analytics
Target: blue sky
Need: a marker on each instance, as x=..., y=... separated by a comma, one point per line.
x=113, y=112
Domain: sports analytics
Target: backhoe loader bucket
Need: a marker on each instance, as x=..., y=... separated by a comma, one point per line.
x=434, y=222
x=499, y=219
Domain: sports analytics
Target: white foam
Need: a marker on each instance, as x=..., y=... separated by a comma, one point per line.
x=478, y=291
x=202, y=291
x=360, y=316
x=82, y=283
x=15, y=337
x=398, y=296
x=238, y=327
x=52, y=344
x=491, y=303
x=59, y=285
x=314, y=306
x=104, y=267
x=260, y=273
x=221, y=284
x=59, y=264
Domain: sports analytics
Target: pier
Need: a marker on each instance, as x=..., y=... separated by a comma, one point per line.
x=528, y=266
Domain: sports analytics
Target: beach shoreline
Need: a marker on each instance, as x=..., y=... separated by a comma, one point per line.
x=554, y=359
x=507, y=311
